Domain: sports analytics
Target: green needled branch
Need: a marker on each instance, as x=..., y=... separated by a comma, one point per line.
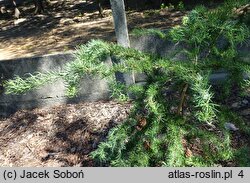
x=159, y=136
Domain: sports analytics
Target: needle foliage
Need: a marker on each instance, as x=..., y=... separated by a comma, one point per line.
x=175, y=120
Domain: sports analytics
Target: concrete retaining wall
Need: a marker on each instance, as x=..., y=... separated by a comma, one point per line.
x=92, y=89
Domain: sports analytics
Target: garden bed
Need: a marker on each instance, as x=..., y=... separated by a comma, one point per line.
x=65, y=135
x=178, y=118
x=60, y=136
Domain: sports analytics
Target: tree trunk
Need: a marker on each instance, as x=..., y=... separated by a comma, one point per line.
x=121, y=31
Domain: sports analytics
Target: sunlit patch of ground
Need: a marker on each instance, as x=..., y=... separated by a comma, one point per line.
x=66, y=25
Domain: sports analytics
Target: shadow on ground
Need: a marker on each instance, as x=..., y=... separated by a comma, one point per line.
x=66, y=24
x=60, y=136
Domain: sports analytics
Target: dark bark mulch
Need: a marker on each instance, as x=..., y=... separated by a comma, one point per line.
x=60, y=136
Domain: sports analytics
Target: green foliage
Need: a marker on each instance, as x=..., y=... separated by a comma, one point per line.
x=205, y=30
x=226, y=115
x=175, y=154
x=180, y=6
x=119, y=91
x=163, y=6
x=242, y=156
x=112, y=149
x=19, y=85
x=209, y=34
x=88, y=62
x=169, y=6
x=175, y=108
x=239, y=155
x=214, y=148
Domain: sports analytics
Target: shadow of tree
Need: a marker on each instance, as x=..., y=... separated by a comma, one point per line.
x=33, y=27
x=77, y=138
x=59, y=136
x=16, y=127
x=67, y=24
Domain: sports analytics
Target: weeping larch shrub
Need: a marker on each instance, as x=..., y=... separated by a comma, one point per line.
x=174, y=120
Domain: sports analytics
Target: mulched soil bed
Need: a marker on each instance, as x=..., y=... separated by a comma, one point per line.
x=65, y=135
x=60, y=136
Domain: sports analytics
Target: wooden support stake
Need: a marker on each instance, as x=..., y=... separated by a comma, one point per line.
x=183, y=96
